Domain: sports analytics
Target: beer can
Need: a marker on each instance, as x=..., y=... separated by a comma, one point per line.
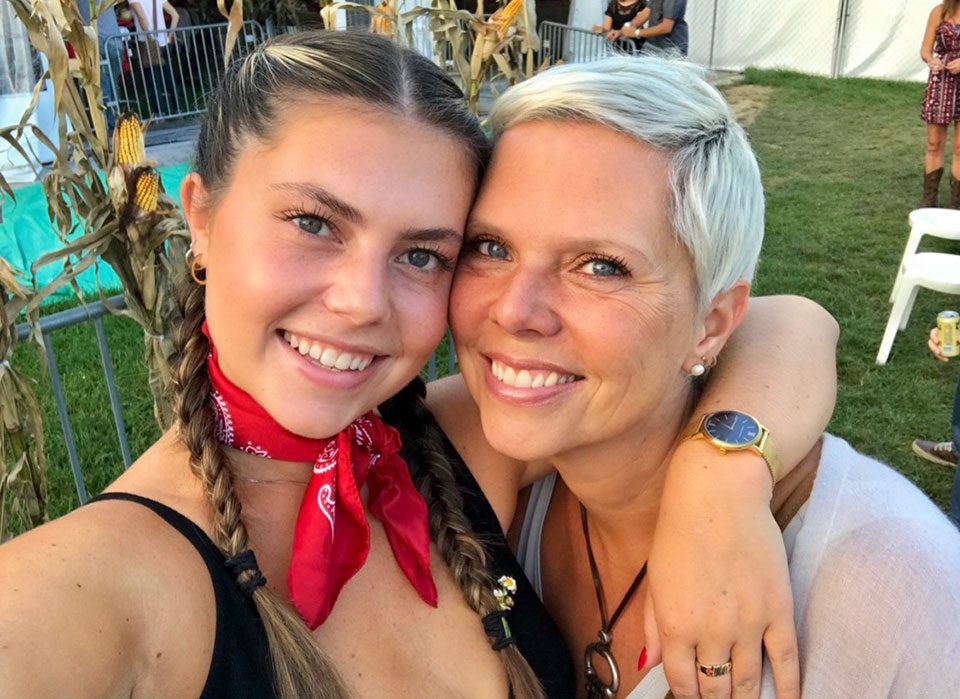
x=947, y=326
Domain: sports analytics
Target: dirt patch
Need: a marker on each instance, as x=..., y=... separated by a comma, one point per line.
x=747, y=101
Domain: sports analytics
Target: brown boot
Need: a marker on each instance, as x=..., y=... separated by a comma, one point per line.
x=931, y=185
x=954, y=193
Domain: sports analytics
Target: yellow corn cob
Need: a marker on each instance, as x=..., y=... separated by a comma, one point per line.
x=384, y=24
x=128, y=141
x=146, y=190
x=503, y=18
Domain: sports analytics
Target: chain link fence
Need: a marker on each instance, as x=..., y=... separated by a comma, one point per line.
x=838, y=38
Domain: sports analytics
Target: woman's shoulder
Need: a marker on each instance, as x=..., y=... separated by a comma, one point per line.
x=98, y=601
x=936, y=14
x=456, y=413
x=869, y=536
x=859, y=489
x=874, y=569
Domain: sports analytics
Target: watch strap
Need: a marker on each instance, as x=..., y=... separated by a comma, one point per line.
x=763, y=446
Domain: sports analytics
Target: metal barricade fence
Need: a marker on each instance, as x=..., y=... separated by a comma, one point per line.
x=571, y=45
x=167, y=74
x=359, y=20
x=442, y=358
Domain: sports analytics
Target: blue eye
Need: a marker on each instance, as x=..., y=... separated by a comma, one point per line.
x=421, y=259
x=425, y=259
x=601, y=267
x=312, y=225
x=493, y=249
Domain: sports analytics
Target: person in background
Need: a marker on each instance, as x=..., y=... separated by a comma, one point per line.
x=110, y=57
x=944, y=453
x=619, y=19
x=148, y=15
x=941, y=52
x=666, y=29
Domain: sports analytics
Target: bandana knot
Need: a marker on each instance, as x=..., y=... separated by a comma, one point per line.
x=332, y=536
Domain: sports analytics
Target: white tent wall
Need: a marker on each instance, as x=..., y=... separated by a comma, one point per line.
x=878, y=39
x=882, y=39
x=790, y=34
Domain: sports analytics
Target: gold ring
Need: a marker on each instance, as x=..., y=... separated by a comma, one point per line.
x=714, y=670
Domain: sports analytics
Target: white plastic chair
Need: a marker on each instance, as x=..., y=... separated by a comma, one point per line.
x=931, y=270
x=940, y=223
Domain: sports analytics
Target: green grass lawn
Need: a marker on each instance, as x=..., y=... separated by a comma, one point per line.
x=841, y=162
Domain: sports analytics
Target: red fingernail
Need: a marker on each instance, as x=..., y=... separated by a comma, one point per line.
x=641, y=663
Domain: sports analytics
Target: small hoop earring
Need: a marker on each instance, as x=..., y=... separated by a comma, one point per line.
x=194, y=265
x=697, y=370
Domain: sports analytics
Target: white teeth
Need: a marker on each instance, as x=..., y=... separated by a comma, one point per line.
x=327, y=357
x=523, y=379
x=526, y=378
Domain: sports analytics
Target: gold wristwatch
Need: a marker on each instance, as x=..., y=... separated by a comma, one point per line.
x=729, y=430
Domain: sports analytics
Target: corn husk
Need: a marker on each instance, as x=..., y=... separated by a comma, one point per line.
x=127, y=221
x=384, y=20
x=234, y=17
x=23, y=478
x=476, y=49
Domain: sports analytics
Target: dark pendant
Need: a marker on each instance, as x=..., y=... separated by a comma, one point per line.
x=595, y=687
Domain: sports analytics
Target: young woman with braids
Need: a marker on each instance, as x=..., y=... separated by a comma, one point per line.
x=334, y=174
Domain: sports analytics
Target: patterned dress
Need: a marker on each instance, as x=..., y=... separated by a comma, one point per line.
x=940, y=103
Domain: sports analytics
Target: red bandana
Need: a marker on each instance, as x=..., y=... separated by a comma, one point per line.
x=332, y=537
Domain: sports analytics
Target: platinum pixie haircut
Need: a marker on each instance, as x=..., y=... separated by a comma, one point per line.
x=717, y=197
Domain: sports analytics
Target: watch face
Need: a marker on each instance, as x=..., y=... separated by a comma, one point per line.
x=731, y=427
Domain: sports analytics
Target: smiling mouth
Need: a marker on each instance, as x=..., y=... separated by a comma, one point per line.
x=326, y=356
x=529, y=378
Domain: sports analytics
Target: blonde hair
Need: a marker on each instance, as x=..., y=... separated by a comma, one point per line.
x=717, y=196
x=255, y=90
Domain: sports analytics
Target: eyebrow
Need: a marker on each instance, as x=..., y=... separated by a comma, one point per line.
x=323, y=197
x=432, y=235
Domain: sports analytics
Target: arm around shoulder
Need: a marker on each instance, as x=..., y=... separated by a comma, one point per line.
x=780, y=366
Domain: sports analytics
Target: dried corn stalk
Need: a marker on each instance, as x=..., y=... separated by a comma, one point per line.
x=98, y=220
x=478, y=50
x=23, y=479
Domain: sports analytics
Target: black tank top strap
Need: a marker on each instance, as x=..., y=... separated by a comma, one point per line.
x=538, y=637
x=240, y=667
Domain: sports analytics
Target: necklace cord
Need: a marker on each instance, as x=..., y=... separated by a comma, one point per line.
x=607, y=626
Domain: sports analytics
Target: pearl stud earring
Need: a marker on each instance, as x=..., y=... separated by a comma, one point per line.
x=697, y=370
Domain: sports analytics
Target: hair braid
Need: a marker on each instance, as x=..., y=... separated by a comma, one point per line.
x=464, y=554
x=300, y=667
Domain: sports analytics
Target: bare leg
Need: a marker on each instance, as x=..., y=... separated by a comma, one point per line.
x=955, y=161
x=936, y=141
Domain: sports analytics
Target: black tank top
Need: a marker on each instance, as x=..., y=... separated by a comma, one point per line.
x=240, y=667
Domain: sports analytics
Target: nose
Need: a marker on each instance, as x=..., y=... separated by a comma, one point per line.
x=525, y=304
x=360, y=288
